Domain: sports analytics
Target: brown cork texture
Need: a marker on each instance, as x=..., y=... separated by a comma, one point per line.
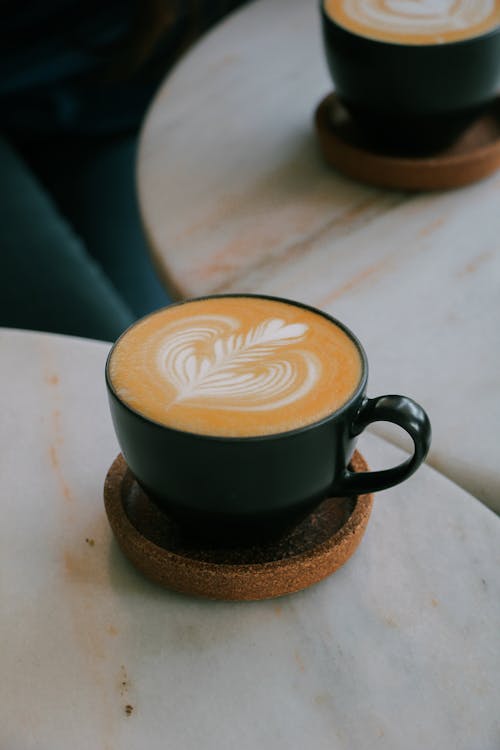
x=304, y=555
x=473, y=156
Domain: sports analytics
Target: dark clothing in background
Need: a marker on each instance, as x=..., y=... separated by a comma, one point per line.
x=73, y=255
x=58, y=61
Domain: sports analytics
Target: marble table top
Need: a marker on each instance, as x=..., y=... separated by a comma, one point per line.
x=235, y=197
x=398, y=649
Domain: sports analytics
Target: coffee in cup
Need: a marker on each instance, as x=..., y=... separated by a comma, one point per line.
x=421, y=22
x=413, y=74
x=237, y=414
x=235, y=367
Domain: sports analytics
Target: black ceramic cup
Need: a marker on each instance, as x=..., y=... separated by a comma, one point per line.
x=228, y=488
x=415, y=97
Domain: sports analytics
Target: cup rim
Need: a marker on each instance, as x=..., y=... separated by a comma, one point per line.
x=426, y=45
x=359, y=390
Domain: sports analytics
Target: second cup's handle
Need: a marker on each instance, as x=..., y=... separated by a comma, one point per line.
x=407, y=414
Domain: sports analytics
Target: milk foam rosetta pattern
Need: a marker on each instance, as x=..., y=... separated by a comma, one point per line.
x=419, y=16
x=210, y=360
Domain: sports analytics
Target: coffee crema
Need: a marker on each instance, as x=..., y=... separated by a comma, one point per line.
x=415, y=21
x=235, y=366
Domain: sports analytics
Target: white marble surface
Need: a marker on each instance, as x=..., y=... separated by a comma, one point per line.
x=398, y=649
x=235, y=197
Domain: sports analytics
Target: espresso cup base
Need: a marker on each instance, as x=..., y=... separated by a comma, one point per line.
x=377, y=157
x=256, y=568
x=195, y=528
x=228, y=534
x=415, y=136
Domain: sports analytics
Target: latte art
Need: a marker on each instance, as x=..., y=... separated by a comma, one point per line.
x=208, y=361
x=416, y=21
x=236, y=366
x=419, y=16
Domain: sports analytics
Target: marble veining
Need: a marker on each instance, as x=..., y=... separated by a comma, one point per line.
x=400, y=648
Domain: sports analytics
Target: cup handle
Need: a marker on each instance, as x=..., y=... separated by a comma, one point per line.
x=407, y=414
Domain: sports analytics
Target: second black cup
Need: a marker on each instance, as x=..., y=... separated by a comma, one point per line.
x=416, y=97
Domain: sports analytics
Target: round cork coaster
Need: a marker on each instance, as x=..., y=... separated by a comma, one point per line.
x=310, y=551
x=475, y=154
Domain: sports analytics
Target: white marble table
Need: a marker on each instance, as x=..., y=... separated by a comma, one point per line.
x=398, y=649
x=235, y=197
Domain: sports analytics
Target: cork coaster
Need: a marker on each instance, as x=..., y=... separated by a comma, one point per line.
x=472, y=157
x=154, y=544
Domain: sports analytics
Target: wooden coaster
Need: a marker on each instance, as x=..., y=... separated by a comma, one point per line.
x=312, y=550
x=472, y=157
